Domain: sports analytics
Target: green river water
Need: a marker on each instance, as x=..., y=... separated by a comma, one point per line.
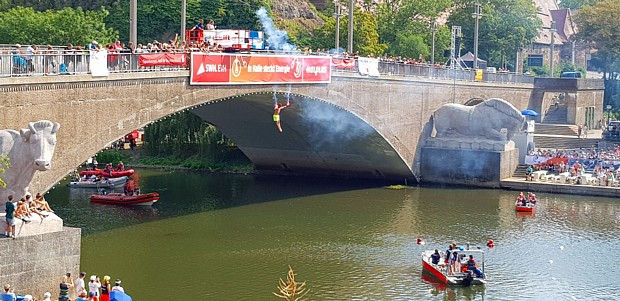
x=231, y=237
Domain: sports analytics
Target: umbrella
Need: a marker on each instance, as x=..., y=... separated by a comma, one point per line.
x=119, y=296
x=529, y=112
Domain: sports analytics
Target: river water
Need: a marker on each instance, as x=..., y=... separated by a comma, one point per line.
x=231, y=237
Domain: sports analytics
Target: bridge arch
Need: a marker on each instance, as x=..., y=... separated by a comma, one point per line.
x=318, y=137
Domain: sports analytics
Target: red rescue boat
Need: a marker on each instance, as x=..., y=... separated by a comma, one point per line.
x=113, y=174
x=529, y=207
x=146, y=199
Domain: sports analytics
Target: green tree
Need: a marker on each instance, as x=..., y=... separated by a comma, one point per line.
x=161, y=20
x=577, y=4
x=4, y=163
x=408, y=21
x=26, y=26
x=43, y=5
x=598, y=26
x=365, y=36
x=506, y=26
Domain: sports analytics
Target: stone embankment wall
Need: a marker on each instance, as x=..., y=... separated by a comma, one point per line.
x=35, y=264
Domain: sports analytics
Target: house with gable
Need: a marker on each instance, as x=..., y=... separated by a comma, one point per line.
x=566, y=49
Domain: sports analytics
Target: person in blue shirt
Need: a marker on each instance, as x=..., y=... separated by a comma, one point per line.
x=435, y=257
x=7, y=295
x=200, y=25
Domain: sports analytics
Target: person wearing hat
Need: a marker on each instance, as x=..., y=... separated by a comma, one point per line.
x=47, y=296
x=105, y=289
x=27, y=298
x=7, y=294
x=117, y=286
x=94, y=285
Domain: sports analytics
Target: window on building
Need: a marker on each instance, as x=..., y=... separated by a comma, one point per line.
x=535, y=60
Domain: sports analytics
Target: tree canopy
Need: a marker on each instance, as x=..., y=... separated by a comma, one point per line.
x=405, y=26
x=599, y=25
x=506, y=26
x=577, y=4
x=61, y=27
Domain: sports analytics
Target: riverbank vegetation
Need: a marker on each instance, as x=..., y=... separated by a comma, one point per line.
x=183, y=141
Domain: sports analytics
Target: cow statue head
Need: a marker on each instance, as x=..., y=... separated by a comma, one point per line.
x=41, y=136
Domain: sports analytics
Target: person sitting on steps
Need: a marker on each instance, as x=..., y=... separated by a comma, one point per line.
x=529, y=173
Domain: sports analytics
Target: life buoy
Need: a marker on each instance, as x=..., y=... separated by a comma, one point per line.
x=491, y=243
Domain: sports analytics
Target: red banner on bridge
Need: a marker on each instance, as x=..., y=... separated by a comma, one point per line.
x=214, y=69
x=161, y=59
x=344, y=63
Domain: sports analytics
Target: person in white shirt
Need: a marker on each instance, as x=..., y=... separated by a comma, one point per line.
x=211, y=25
x=94, y=285
x=117, y=287
x=79, y=284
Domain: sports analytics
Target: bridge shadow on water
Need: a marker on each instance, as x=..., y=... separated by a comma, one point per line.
x=188, y=192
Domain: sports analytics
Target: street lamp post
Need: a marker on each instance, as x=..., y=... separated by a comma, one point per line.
x=337, y=14
x=477, y=15
x=433, y=30
x=350, y=40
x=133, y=22
x=552, y=30
x=183, y=18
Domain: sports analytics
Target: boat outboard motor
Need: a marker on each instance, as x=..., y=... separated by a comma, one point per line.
x=468, y=278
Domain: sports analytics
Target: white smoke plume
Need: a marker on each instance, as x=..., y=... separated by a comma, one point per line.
x=276, y=39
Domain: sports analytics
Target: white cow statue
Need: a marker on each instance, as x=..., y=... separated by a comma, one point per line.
x=28, y=150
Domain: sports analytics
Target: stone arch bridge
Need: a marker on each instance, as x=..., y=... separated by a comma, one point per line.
x=354, y=126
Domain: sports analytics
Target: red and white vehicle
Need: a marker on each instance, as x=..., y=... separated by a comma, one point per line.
x=229, y=39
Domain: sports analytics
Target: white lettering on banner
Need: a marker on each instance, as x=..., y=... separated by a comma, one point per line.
x=215, y=68
x=269, y=69
x=316, y=69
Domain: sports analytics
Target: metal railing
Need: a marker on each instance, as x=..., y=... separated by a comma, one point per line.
x=68, y=62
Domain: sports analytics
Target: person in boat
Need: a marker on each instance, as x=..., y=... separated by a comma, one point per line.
x=126, y=189
x=108, y=168
x=454, y=259
x=435, y=257
x=473, y=266
x=120, y=166
x=521, y=199
x=532, y=199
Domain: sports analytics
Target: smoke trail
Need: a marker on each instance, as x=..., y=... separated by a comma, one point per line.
x=329, y=125
x=275, y=96
x=276, y=39
x=288, y=94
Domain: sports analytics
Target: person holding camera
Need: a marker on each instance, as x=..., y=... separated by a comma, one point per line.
x=7, y=294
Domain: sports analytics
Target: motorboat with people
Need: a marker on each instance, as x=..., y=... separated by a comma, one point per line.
x=108, y=174
x=526, y=204
x=456, y=266
x=97, y=182
x=135, y=199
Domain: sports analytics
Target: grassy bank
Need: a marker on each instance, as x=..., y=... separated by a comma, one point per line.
x=234, y=163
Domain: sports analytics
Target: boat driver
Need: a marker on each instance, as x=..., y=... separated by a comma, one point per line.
x=435, y=257
x=473, y=266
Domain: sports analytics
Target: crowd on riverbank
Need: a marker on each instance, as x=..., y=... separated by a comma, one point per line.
x=79, y=290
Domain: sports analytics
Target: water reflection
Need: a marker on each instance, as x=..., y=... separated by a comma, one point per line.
x=442, y=291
